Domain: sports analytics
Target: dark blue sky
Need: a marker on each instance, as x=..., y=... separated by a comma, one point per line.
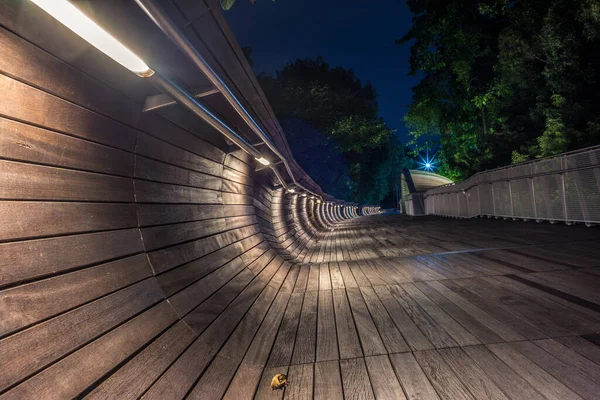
x=357, y=34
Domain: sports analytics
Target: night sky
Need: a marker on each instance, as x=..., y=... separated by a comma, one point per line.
x=357, y=34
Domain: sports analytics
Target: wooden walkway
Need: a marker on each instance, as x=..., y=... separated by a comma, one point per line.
x=141, y=258
x=392, y=308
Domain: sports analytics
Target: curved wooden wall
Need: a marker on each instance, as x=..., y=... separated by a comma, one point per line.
x=132, y=249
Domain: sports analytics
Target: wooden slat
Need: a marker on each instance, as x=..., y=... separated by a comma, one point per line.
x=347, y=336
x=21, y=260
x=356, y=380
x=384, y=383
x=131, y=380
x=19, y=181
x=22, y=142
x=367, y=331
x=473, y=377
x=413, y=380
x=28, y=304
x=95, y=359
x=281, y=354
x=305, y=346
x=27, y=219
x=327, y=381
x=562, y=372
x=301, y=377
x=542, y=381
x=503, y=376
x=28, y=104
x=411, y=333
x=244, y=383
x=66, y=332
x=327, y=344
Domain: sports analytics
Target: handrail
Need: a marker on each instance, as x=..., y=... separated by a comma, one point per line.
x=158, y=16
x=183, y=97
x=564, y=187
x=521, y=164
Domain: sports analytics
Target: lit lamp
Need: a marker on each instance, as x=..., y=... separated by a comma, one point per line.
x=78, y=22
x=263, y=160
x=71, y=17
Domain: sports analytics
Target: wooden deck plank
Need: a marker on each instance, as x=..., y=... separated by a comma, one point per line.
x=328, y=381
x=411, y=376
x=536, y=376
x=503, y=376
x=471, y=375
x=355, y=379
x=561, y=371
x=446, y=383
x=391, y=337
x=305, y=346
x=477, y=329
x=301, y=382
x=281, y=354
x=486, y=319
x=349, y=344
x=384, y=382
x=327, y=344
x=367, y=331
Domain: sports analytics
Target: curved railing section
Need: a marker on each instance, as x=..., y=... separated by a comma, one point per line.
x=565, y=188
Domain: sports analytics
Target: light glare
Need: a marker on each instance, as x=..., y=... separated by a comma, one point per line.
x=263, y=161
x=70, y=16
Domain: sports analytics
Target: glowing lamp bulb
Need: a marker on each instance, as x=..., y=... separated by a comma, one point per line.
x=263, y=161
x=319, y=201
x=428, y=165
x=70, y=16
x=291, y=190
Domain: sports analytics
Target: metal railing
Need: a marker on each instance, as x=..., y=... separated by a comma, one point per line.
x=565, y=187
x=170, y=29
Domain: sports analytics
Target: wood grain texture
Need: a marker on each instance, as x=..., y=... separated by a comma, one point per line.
x=445, y=382
x=355, y=379
x=383, y=379
x=411, y=377
x=349, y=343
x=327, y=381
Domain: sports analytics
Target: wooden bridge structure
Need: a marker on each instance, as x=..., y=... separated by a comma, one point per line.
x=142, y=255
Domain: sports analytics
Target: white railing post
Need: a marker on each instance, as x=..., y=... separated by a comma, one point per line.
x=493, y=200
x=533, y=199
x=512, y=209
x=479, y=198
x=564, y=192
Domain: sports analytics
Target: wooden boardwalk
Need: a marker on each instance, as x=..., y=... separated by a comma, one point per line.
x=392, y=308
x=140, y=257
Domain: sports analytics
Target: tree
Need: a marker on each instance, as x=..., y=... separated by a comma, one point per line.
x=331, y=121
x=504, y=80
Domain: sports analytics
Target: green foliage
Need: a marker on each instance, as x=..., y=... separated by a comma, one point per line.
x=227, y=4
x=343, y=110
x=518, y=157
x=504, y=81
